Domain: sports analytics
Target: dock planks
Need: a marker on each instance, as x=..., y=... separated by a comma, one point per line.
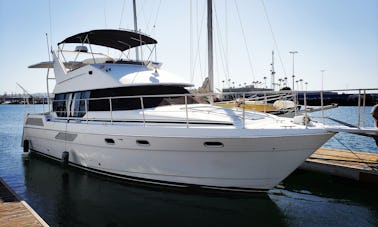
x=14, y=212
x=359, y=166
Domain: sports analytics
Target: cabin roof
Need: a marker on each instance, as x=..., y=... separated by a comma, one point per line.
x=118, y=39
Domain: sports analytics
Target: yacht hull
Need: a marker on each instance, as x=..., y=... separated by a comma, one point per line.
x=214, y=158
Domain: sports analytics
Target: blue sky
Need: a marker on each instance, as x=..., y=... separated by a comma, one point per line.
x=340, y=36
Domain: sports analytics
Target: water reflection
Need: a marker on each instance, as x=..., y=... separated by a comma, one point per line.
x=71, y=197
x=311, y=199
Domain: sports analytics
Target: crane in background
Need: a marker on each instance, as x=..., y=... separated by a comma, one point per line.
x=29, y=97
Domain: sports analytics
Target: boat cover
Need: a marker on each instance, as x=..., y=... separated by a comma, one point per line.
x=118, y=39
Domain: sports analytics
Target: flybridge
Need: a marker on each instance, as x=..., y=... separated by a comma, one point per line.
x=121, y=40
x=85, y=68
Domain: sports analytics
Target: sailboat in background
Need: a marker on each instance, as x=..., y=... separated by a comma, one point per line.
x=262, y=100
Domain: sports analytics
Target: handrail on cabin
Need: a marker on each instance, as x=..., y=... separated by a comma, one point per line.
x=361, y=104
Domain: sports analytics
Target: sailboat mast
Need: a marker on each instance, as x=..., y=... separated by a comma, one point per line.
x=210, y=44
x=135, y=29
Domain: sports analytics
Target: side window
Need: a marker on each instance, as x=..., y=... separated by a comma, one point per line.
x=76, y=105
x=80, y=100
x=69, y=98
x=59, y=105
x=83, y=107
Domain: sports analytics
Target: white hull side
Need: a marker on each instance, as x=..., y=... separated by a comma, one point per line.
x=247, y=163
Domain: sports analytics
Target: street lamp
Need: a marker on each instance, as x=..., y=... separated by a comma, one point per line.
x=265, y=82
x=293, y=53
x=321, y=95
x=323, y=70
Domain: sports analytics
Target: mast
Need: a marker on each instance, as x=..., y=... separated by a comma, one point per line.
x=135, y=29
x=273, y=72
x=210, y=44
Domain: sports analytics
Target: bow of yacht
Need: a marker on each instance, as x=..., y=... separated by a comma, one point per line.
x=131, y=120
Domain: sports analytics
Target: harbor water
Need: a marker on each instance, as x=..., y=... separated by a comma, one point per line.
x=65, y=196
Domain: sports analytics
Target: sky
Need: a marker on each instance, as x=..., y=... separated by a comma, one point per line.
x=338, y=36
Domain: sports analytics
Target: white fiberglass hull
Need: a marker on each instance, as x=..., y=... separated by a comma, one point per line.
x=211, y=157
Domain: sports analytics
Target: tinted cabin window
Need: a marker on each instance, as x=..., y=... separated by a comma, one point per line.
x=74, y=102
x=79, y=103
x=59, y=105
x=135, y=103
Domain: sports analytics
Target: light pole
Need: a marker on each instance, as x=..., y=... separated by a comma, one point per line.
x=321, y=95
x=293, y=53
x=323, y=70
x=265, y=82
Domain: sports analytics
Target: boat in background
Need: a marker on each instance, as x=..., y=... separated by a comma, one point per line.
x=278, y=107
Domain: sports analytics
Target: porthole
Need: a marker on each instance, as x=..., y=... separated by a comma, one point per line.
x=109, y=141
x=143, y=142
x=214, y=144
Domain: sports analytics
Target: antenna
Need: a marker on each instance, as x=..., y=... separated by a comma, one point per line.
x=120, y=20
x=135, y=29
x=48, y=72
x=210, y=43
x=47, y=43
x=50, y=22
x=106, y=24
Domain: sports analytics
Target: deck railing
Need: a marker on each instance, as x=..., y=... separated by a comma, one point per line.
x=360, y=97
x=111, y=100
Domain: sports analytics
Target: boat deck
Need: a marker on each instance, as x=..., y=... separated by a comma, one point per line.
x=359, y=166
x=14, y=212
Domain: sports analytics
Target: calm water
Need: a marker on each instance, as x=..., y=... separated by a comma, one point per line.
x=71, y=197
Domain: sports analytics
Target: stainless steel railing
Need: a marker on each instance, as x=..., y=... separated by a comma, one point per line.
x=361, y=97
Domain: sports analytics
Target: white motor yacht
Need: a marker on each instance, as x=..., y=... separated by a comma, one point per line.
x=131, y=120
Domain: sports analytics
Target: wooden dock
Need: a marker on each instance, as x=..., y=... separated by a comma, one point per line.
x=359, y=166
x=14, y=211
